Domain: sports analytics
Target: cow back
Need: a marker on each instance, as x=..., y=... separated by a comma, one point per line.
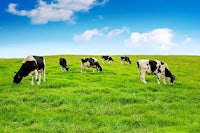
x=63, y=62
x=40, y=62
x=27, y=67
x=92, y=61
x=84, y=59
x=153, y=65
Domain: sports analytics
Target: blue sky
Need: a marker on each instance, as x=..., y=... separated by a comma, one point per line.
x=99, y=27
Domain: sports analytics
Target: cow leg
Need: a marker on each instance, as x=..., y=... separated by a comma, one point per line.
x=32, y=80
x=163, y=77
x=142, y=77
x=36, y=75
x=121, y=62
x=44, y=75
x=31, y=74
x=98, y=70
x=82, y=69
x=93, y=70
x=158, y=78
x=164, y=82
x=64, y=69
x=44, y=72
x=39, y=80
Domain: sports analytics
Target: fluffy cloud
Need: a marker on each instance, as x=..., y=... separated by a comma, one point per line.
x=117, y=32
x=87, y=35
x=161, y=38
x=57, y=10
x=100, y=17
x=187, y=40
x=104, y=32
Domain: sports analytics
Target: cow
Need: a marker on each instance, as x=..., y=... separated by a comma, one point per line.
x=125, y=58
x=109, y=58
x=154, y=67
x=31, y=65
x=63, y=64
x=90, y=62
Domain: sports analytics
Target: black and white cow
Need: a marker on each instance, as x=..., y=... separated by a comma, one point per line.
x=31, y=65
x=108, y=58
x=125, y=58
x=154, y=67
x=90, y=62
x=63, y=64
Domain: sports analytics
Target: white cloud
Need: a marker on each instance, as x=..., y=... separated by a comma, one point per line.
x=103, y=2
x=187, y=40
x=161, y=38
x=104, y=29
x=57, y=10
x=100, y=17
x=104, y=32
x=87, y=35
x=117, y=32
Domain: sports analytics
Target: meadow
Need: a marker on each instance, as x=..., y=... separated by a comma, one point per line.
x=114, y=100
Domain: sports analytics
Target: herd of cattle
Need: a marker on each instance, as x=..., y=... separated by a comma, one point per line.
x=35, y=65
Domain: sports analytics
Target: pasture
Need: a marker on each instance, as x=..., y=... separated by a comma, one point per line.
x=114, y=100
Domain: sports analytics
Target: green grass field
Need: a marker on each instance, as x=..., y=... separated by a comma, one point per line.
x=112, y=101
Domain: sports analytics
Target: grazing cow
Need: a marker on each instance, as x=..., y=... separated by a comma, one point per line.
x=125, y=58
x=31, y=65
x=63, y=64
x=109, y=58
x=90, y=62
x=154, y=67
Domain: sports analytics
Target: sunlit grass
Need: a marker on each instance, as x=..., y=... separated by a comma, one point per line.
x=112, y=101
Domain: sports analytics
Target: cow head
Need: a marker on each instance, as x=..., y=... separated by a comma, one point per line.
x=99, y=68
x=129, y=61
x=172, y=78
x=67, y=68
x=17, y=78
x=110, y=58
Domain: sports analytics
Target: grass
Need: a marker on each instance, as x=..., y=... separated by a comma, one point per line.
x=112, y=101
